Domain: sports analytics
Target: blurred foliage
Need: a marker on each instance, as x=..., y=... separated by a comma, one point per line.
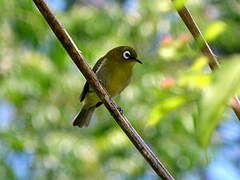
x=226, y=80
x=174, y=102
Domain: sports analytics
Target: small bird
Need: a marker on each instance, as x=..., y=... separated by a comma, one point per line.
x=114, y=71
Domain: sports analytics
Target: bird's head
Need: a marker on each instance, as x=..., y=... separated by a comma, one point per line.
x=123, y=54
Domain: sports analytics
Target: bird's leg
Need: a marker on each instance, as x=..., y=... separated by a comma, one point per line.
x=101, y=82
x=120, y=109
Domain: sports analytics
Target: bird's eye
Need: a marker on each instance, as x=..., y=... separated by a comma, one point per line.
x=126, y=54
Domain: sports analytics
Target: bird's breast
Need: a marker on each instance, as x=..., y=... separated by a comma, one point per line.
x=115, y=79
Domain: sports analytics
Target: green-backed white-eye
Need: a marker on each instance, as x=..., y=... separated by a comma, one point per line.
x=114, y=70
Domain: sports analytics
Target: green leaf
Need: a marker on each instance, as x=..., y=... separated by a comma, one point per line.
x=164, y=107
x=214, y=30
x=214, y=101
x=179, y=4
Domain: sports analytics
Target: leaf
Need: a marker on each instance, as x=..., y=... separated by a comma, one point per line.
x=214, y=30
x=164, y=107
x=195, y=77
x=199, y=64
x=179, y=4
x=214, y=101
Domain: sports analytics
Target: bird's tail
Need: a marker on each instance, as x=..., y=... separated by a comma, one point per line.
x=82, y=119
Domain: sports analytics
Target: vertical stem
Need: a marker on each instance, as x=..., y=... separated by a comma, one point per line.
x=205, y=48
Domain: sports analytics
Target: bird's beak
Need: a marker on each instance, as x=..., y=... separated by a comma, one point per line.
x=137, y=60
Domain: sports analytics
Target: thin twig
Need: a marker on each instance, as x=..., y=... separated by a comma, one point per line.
x=205, y=48
x=79, y=60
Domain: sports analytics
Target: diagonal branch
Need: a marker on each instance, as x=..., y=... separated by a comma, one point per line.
x=80, y=62
x=205, y=48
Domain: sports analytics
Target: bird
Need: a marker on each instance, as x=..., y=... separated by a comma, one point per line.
x=114, y=71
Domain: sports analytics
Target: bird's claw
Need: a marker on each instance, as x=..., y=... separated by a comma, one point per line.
x=101, y=82
x=120, y=109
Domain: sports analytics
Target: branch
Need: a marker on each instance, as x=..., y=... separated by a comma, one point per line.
x=112, y=107
x=205, y=48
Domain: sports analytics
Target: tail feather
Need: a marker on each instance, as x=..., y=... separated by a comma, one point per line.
x=82, y=119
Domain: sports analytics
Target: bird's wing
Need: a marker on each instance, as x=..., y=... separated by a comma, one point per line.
x=86, y=85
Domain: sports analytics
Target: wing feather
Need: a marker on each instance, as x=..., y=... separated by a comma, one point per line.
x=86, y=85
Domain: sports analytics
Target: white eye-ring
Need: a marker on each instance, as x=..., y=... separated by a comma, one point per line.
x=126, y=54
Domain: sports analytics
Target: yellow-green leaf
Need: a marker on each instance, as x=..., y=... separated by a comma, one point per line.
x=215, y=99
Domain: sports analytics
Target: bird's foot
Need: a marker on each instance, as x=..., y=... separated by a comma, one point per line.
x=101, y=82
x=120, y=109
